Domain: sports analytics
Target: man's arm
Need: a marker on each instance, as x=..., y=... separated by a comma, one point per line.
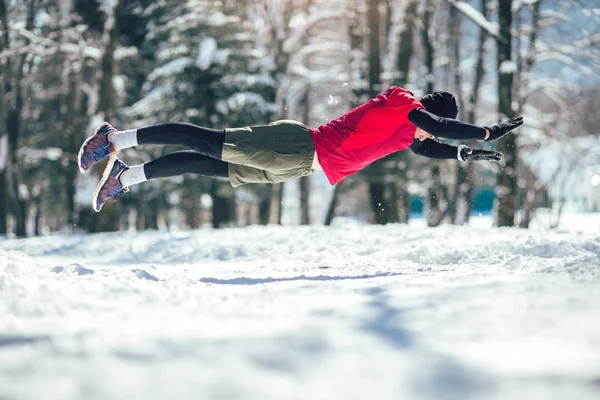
x=433, y=149
x=453, y=129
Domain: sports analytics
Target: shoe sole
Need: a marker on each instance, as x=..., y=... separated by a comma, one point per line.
x=83, y=146
x=105, y=176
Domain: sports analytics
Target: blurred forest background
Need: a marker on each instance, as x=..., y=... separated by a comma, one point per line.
x=67, y=65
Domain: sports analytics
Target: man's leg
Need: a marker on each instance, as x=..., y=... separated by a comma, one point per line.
x=118, y=177
x=206, y=141
x=174, y=164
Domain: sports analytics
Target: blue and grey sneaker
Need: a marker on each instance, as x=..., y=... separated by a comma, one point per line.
x=110, y=186
x=96, y=147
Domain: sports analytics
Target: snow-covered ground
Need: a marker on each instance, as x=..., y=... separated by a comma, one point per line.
x=349, y=312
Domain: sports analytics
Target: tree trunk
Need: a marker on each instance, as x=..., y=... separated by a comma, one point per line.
x=305, y=181
x=13, y=126
x=406, y=49
x=151, y=215
x=377, y=197
x=110, y=219
x=454, y=28
x=19, y=197
x=264, y=204
x=465, y=172
x=479, y=69
x=332, y=205
x=429, y=50
x=506, y=185
x=436, y=199
x=223, y=204
x=404, y=204
x=384, y=210
x=277, y=202
x=3, y=184
x=74, y=122
x=529, y=190
x=355, y=57
x=37, y=216
x=106, y=94
x=405, y=53
x=462, y=203
x=374, y=48
x=4, y=89
x=305, y=200
x=384, y=202
x=280, y=26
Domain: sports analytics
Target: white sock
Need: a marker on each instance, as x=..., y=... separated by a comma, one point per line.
x=124, y=139
x=133, y=176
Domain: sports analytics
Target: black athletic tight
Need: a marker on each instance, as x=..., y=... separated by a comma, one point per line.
x=185, y=162
x=204, y=160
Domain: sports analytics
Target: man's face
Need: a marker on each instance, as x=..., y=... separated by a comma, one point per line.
x=422, y=135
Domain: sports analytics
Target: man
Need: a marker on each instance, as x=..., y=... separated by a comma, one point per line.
x=286, y=150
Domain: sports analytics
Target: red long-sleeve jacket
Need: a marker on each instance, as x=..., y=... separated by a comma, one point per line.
x=368, y=132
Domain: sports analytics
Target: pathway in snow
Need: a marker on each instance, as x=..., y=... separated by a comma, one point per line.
x=365, y=312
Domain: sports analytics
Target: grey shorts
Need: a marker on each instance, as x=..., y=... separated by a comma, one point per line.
x=280, y=151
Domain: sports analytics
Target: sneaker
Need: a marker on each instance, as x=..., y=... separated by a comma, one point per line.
x=110, y=186
x=96, y=147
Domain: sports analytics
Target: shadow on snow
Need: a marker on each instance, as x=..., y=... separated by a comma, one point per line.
x=258, y=281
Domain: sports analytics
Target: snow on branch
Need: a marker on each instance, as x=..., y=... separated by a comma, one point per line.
x=170, y=69
x=569, y=54
x=207, y=53
x=3, y=151
x=518, y=4
x=42, y=46
x=477, y=17
x=88, y=51
x=299, y=56
x=295, y=39
x=32, y=156
x=545, y=85
x=563, y=58
x=330, y=75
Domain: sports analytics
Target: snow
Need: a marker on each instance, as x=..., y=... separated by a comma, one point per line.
x=345, y=312
x=87, y=50
x=252, y=102
x=300, y=31
x=206, y=55
x=169, y=69
x=121, y=53
x=477, y=17
x=561, y=164
x=3, y=151
x=172, y=52
x=508, y=67
x=35, y=156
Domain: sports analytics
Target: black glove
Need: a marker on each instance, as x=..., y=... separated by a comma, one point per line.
x=469, y=154
x=497, y=131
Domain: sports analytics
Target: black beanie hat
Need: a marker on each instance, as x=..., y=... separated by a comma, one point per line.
x=442, y=104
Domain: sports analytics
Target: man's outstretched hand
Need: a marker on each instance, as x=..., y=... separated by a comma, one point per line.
x=469, y=154
x=497, y=131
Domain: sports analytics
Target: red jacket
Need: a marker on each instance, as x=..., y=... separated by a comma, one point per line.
x=373, y=130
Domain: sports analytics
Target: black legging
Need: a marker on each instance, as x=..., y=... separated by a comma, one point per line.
x=204, y=160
